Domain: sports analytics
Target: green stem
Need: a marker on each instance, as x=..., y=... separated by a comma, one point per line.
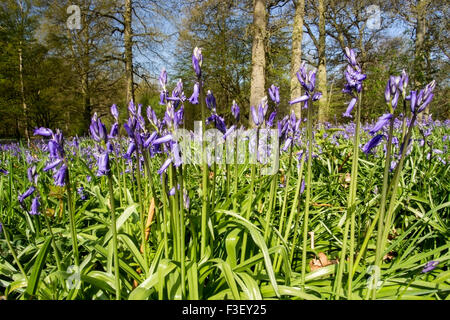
x=141, y=204
x=13, y=252
x=182, y=235
x=205, y=177
x=308, y=192
x=164, y=200
x=114, y=238
x=248, y=213
x=73, y=230
x=297, y=218
x=352, y=195
x=382, y=210
x=55, y=248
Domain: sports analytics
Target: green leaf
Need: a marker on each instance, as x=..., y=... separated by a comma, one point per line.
x=259, y=240
x=37, y=269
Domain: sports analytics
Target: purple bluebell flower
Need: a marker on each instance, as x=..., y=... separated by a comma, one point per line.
x=98, y=130
x=194, y=98
x=372, y=143
x=165, y=165
x=32, y=174
x=163, y=78
x=350, y=107
x=254, y=114
x=115, y=112
x=302, y=187
x=130, y=126
x=52, y=165
x=382, y=121
x=35, y=206
x=26, y=194
x=351, y=56
x=150, y=139
x=235, y=111
x=210, y=101
x=229, y=131
x=162, y=97
x=130, y=150
x=274, y=93
x=218, y=122
x=197, y=59
x=316, y=96
x=60, y=176
x=43, y=132
x=186, y=200
x=151, y=116
x=163, y=139
x=114, y=130
x=176, y=154
x=431, y=265
x=271, y=119
x=103, y=164
x=419, y=101
x=80, y=192
x=307, y=80
x=403, y=82
x=4, y=171
x=299, y=99
x=132, y=108
x=1, y=228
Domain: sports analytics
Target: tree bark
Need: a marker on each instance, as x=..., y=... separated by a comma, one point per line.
x=257, y=86
x=22, y=92
x=87, y=107
x=128, y=42
x=419, y=50
x=322, y=70
x=296, y=59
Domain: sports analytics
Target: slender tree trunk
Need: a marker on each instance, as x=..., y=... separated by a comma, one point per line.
x=257, y=87
x=322, y=70
x=87, y=107
x=128, y=41
x=22, y=92
x=419, y=54
x=297, y=36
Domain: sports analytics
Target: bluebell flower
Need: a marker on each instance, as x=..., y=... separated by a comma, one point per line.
x=431, y=265
x=35, y=206
x=372, y=143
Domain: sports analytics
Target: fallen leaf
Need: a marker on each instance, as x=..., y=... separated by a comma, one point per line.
x=316, y=264
x=390, y=256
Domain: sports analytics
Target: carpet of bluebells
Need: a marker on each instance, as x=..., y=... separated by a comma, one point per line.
x=354, y=211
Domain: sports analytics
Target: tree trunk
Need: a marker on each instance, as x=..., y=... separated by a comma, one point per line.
x=322, y=70
x=257, y=86
x=22, y=92
x=296, y=59
x=419, y=54
x=128, y=42
x=87, y=107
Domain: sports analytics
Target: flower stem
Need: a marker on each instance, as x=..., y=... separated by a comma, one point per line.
x=205, y=171
x=308, y=192
x=73, y=230
x=11, y=249
x=114, y=234
x=352, y=196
